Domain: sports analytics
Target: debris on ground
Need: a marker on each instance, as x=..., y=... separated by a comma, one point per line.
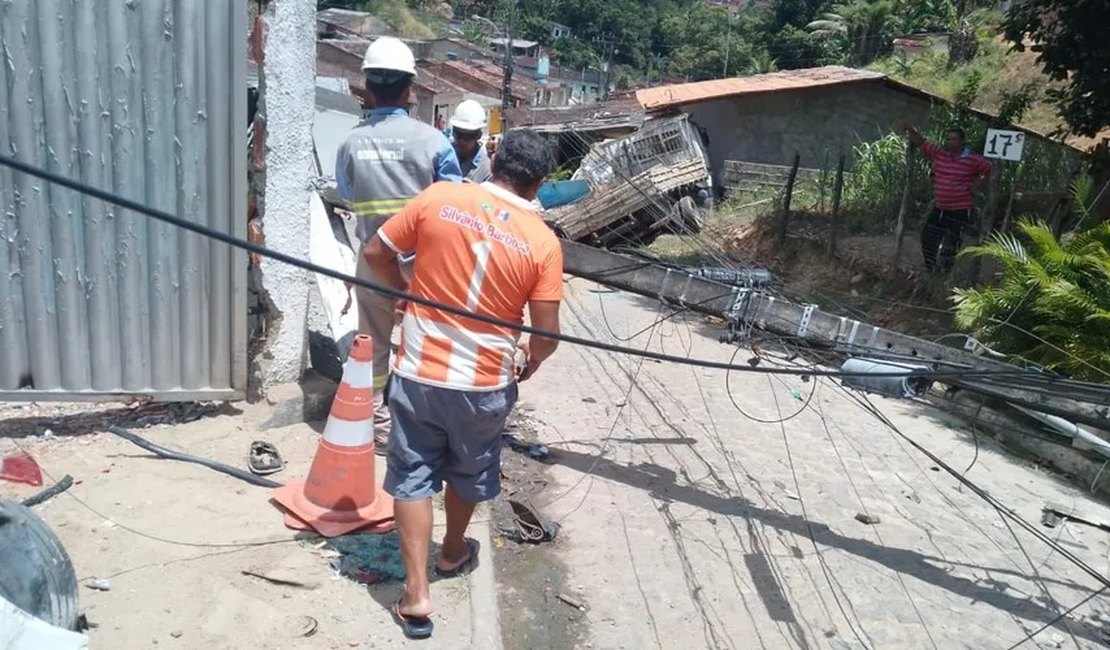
x=264, y=459
x=529, y=527
x=100, y=584
x=269, y=576
x=50, y=492
x=368, y=558
x=19, y=467
x=301, y=626
x=870, y=520
x=572, y=601
x=57, y=420
x=533, y=450
x=1053, y=513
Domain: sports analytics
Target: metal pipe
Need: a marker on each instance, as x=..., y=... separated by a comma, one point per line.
x=1081, y=438
x=901, y=387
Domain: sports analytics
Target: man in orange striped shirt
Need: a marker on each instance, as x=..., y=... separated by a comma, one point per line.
x=484, y=249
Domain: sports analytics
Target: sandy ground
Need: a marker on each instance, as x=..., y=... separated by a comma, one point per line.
x=685, y=524
x=174, y=539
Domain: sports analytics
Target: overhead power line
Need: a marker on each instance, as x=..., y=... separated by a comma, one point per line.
x=251, y=247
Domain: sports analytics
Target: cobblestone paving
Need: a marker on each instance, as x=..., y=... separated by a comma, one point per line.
x=688, y=525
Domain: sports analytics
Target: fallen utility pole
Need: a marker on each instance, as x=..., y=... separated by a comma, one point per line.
x=749, y=306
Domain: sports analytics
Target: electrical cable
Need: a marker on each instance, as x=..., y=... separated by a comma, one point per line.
x=1062, y=616
x=588, y=474
x=162, y=540
x=782, y=420
x=170, y=454
x=251, y=247
x=809, y=526
x=869, y=407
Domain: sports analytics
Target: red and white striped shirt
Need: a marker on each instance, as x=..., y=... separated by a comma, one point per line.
x=954, y=176
x=479, y=248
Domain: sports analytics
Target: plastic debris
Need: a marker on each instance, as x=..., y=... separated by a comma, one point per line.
x=533, y=450
x=100, y=584
x=366, y=558
x=20, y=468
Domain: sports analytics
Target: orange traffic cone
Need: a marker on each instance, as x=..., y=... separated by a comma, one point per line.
x=341, y=493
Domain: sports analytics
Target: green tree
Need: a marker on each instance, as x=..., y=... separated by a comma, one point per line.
x=1069, y=37
x=705, y=43
x=859, y=31
x=1052, y=304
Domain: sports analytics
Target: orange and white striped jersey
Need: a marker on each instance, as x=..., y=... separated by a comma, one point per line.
x=479, y=248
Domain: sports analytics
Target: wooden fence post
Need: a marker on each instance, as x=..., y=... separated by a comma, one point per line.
x=1008, y=216
x=904, y=207
x=990, y=212
x=785, y=222
x=838, y=190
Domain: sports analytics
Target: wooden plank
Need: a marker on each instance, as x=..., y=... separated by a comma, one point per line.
x=621, y=198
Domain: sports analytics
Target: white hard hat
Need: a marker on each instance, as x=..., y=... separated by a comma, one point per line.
x=389, y=55
x=469, y=116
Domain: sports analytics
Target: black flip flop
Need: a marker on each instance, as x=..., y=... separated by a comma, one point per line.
x=264, y=458
x=414, y=627
x=466, y=566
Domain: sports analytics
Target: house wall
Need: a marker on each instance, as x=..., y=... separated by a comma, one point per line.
x=820, y=123
x=437, y=50
x=426, y=102
x=288, y=72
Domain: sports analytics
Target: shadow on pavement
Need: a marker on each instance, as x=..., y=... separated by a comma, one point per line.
x=660, y=483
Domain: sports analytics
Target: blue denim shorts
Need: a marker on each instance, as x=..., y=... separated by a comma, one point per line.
x=440, y=434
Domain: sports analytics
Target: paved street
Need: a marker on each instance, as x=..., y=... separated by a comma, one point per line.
x=689, y=525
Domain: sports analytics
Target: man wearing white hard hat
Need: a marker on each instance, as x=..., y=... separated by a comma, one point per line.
x=387, y=160
x=467, y=124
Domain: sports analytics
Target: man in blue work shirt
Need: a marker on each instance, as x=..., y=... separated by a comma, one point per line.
x=467, y=124
x=387, y=160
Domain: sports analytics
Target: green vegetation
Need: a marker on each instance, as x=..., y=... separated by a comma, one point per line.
x=408, y=19
x=1052, y=304
x=1069, y=37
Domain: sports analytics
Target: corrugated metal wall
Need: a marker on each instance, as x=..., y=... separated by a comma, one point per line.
x=147, y=99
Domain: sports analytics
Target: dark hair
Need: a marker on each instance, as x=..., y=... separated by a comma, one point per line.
x=957, y=131
x=387, y=89
x=523, y=159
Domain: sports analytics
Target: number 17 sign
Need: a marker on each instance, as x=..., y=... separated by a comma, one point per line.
x=1004, y=145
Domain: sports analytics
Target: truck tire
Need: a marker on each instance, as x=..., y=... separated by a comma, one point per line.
x=686, y=217
x=36, y=574
x=692, y=217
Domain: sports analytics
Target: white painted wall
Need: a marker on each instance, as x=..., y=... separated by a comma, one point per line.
x=288, y=84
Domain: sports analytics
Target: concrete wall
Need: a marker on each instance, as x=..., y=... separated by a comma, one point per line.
x=288, y=75
x=437, y=50
x=426, y=102
x=770, y=128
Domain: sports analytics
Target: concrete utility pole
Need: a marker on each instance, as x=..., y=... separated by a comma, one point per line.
x=609, y=49
x=506, y=62
x=507, y=69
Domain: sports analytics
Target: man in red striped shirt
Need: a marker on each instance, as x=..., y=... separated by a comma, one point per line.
x=957, y=172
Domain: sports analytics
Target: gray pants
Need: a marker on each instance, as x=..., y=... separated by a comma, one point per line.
x=376, y=318
x=445, y=435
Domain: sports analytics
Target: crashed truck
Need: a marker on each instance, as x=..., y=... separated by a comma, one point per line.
x=630, y=190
